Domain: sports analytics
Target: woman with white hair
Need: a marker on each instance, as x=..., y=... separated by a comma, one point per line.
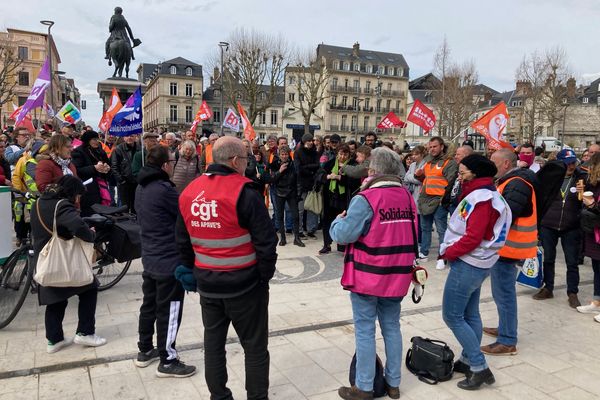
x=187, y=167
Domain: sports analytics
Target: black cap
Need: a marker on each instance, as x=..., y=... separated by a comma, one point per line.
x=480, y=166
x=335, y=138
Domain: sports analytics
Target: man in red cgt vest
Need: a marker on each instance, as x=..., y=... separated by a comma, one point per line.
x=225, y=232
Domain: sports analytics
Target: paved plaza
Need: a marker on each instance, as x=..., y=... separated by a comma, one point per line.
x=311, y=344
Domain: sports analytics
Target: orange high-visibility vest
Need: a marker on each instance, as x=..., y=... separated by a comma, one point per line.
x=522, y=239
x=107, y=150
x=435, y=183
x=208, y=154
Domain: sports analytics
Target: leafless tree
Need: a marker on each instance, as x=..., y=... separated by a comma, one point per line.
x=308, y=77
x=531, y=76
x=10, y=65
x=441, y=64
x=554, y=99
x=254, y=69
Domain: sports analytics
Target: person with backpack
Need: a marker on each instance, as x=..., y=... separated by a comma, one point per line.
x=476, y=233
x=188, y=166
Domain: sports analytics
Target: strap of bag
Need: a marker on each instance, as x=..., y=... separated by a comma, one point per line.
x=55, y=212
x=37, y=209
x=414, y=232
x=422, y=375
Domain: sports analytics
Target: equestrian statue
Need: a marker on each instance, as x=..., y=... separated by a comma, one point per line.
x=118, y=47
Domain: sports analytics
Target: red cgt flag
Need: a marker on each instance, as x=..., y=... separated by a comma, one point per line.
x=492, y=125
x=112, y=110
x=391, y=120
x=249, y=133
x=422, y=116
x=204, y=113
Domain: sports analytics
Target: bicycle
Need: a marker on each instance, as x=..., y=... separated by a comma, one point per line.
x=16, y=279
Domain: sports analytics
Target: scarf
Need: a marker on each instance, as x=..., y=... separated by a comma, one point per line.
x=62, y=163
x=333, y=184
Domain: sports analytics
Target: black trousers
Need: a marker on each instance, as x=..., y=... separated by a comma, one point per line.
x=570, y=241
x=329, y=214
x=162, y=305
x=55, y=313
x=292, y=202
x=249, y=315
x=127, y=195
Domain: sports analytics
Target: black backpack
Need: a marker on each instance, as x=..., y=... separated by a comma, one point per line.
x=431, y=360
x=378, y=382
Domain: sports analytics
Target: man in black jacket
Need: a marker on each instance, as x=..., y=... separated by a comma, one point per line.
x=156, y=204
x=232, y=273
x=120, y=163
x=562, y=221
x=307, y=164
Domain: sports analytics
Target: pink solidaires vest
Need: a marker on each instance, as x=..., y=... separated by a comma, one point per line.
x=380, y=263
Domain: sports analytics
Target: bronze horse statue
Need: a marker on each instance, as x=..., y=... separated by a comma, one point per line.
x=120, y=53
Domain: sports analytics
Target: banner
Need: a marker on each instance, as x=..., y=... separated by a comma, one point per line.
x=249, y=133
x=422, y=116
x=113, y=108
x=231, y=121
x=69, y=113
x=128, y=121
x=204, y=113
x=492, y=126
x=26, y=123
x=36, y=97
x=391, y=120
x=49, y=111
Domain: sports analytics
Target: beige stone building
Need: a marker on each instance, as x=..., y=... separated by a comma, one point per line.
x=32, y=49
x=363, y=86
x=173, y=93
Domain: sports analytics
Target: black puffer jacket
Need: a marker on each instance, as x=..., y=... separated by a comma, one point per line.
x=286, y=182
x=156, y=203
x=517, y=193
x=307, y=165
x=564, y=215
x=85, y=158
x=120, y=163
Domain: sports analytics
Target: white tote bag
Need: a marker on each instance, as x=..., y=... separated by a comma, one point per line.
x=64, y=263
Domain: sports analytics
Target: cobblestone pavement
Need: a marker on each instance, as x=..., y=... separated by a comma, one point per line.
x=312, y=342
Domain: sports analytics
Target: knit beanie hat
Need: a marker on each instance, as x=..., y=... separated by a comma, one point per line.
x=88, y=135
x=307, y=137
x=480, y=166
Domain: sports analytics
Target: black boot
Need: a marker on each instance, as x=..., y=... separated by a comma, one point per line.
x=476, y=379
x=282, y=241
x=298, y=241
x=461, y=368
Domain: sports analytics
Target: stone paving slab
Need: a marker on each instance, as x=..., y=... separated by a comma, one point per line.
x=311, y=343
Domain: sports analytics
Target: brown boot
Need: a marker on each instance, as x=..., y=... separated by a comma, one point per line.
x=543, y=294
x=493, y=332
x=498, y=349
x=573, y=300
x=392, y=392
x=354, y=393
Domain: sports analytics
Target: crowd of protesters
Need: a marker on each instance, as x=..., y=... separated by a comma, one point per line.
x=158, y=174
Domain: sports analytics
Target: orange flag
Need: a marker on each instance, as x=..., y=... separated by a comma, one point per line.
x=249, y=133
x=109, y=114
x=492, y=125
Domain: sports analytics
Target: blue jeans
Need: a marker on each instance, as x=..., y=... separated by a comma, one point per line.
x=460, y=310
x=504, y=278
x=440, y=217
x=289, y=224
x=365, y=309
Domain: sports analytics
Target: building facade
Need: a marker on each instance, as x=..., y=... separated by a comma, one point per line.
x=173, y=94
x=363, y=87
x=32, y=49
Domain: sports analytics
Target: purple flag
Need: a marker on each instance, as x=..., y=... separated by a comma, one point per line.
x=36, y=97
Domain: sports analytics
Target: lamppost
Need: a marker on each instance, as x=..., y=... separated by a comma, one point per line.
x=49, y=40
x=378, y=105
x=562, y=138
x=224, y=47
x=356, y=126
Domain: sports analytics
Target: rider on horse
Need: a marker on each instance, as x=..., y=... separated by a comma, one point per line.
x=120, y=30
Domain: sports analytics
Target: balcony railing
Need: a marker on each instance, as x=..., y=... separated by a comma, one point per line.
x=177, y=121
x=393, y=93
x=344, y=89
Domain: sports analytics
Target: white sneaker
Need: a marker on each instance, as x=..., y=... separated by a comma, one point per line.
x=423, y=257
x=440, y=265
x=597, y=318
x=589, y=309
x=89, y=340
x=53, y=348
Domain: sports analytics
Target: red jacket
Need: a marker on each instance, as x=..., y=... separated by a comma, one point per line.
x=47, y=172
x=476, y=232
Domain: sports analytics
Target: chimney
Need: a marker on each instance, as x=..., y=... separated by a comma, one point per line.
x=523, y=88
x=571, y=87
x=355, y=49
x=216, y=74
x=487, y=96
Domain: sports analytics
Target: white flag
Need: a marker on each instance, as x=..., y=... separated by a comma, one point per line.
x=231, y=120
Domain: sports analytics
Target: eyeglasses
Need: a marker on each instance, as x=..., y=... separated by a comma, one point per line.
x=463, y=173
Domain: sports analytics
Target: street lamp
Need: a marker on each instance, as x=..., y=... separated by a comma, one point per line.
x=224, y=47
x=378, y=105
x=356, y=126
x=562, y=139
x=49, y=39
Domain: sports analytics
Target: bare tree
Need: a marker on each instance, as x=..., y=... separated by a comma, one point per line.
x=553, y=101
x=254, y=69
x=453, y=99
x=308, y=76
x=531, y=76
x=10, y=65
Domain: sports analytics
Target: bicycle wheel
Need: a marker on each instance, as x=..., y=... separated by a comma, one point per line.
x=15, y=281
x=108, y=271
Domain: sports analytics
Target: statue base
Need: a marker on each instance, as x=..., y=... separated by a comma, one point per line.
x=125, y=86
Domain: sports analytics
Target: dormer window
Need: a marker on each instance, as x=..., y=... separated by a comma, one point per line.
x=173, y=70
x=369, y=69
x=188, y=71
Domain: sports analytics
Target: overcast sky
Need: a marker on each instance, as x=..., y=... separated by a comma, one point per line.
x=495, y=34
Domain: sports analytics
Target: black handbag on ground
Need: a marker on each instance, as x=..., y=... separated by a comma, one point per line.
x=378, y=382
x=431, y=360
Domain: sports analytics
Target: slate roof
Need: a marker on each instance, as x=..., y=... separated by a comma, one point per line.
x=146, y=70
x=365, y=56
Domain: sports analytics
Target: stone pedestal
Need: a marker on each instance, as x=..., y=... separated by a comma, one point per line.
x=125, y=86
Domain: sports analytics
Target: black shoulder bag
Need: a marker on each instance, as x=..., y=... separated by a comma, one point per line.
x=430, y=360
